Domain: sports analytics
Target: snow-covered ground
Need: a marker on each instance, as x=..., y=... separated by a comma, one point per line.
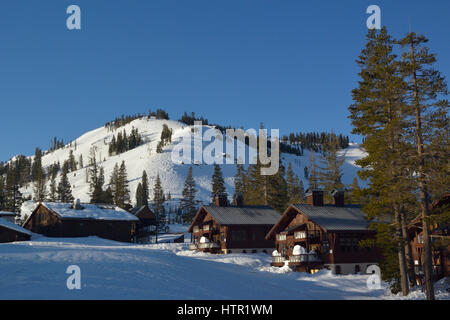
x=112, y=270
x=172, y=174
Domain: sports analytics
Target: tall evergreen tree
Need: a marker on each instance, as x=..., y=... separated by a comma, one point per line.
x=239, y=182
x=313, y=179
x=377, y=115
x=188, y=204
x=428, y=110
x=139, y=195
x=39, y=186
x=145, y=189
x=330, y=174
x=218, y=184
x=64, y=190
x=159, y=199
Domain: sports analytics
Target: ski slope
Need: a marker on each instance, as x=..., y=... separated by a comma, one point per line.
x=172, y=174
x=110, y=270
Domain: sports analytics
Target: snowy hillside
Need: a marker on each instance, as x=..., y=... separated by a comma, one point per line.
x=146, y=158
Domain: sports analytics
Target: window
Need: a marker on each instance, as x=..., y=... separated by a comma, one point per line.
x=357, y=269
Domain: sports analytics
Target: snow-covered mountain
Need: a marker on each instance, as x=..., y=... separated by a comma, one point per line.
x=146, y=158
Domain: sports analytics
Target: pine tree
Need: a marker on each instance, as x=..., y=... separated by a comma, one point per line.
x=64, y=190
x=330, y=174
x=145, y=189
x=239, y=182
x=218, y=184
x=139, y=195
x=426, y=89
x=119, y=182
x=53, y=194
x=188, y=204
x=159, y=199
x=39, y=186
x=355, y=192
x=377, y=114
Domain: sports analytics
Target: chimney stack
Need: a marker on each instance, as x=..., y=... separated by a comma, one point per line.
x=221, y=200
x=338, y=196
x=314, y=197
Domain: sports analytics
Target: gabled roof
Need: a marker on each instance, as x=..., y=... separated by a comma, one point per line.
x=89, y=211
x=137, y=212
x=328, y=217
x=12, y=226
x=234, y=215
x=333, y=218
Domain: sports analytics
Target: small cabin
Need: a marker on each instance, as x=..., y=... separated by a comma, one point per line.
x=440, y=240
x=312, y=236
x=9, y=216
x=146, y=226
x=82, y=220
x=11, y=232
x=222, y=228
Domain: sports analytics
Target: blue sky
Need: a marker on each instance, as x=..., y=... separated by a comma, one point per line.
x=289, y=64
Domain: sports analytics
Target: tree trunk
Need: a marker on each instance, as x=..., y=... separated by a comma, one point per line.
x=408, y=250
x=401, y=255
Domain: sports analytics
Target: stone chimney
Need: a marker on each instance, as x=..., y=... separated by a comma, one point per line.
x=221, y=200
x=338, y=196
x=239, y=200
x=314, y=197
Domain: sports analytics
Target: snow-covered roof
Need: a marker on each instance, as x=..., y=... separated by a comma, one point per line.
x=90, y=211
x=6, y=213
x=12, y=226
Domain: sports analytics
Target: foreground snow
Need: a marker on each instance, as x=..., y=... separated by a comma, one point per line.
x=111, y=270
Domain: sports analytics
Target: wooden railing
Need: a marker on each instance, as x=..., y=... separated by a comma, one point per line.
x=208, y=245
x=305, y=258
x=278, y=259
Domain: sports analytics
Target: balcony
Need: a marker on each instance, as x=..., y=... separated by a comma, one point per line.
x=208, y=245
x=278, y=261
x=311, y=236
x=303, y=259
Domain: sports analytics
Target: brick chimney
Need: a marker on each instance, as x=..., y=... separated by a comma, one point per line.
x=221, y=200
x=338, y=196
x=239, y=200
x=314, y=197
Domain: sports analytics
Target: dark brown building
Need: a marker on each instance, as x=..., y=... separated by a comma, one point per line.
x=312, y=236
x=82, y=220
x=146, y=225
x=10, y=232
x=440, y=240
x=230, y=229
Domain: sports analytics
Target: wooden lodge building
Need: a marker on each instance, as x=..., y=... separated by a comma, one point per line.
x=440, y=240
x=222, y=228
x=313, y=236
x=82, y=220
x=10, y=232
x=146, y=226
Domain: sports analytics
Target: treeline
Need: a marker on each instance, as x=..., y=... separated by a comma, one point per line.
x=126, y=119
x=315, y=141
x=400, y=108
x=123, y=142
